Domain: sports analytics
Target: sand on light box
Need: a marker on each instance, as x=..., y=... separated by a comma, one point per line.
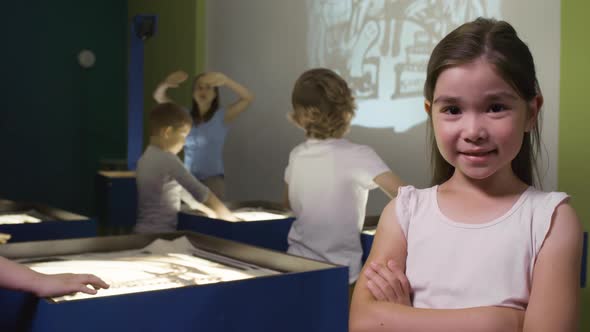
x=161, y=265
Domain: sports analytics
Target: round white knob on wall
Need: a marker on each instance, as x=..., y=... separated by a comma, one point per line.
x=86, y=58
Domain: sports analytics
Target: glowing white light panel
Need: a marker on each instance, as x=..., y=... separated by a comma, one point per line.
x=139, y=271
x=18, y=218
x=258, y=214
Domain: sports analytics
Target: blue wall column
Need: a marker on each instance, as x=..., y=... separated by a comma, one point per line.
x=143, y=27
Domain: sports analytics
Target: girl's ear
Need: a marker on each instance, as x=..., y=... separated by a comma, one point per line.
x=428, y=107
x=534, y=107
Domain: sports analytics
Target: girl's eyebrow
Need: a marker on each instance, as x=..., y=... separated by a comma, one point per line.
x=494, y=95
x=501, y=95
x=446, y=100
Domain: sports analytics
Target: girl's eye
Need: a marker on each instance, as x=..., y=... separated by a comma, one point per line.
x=496, y=108
x=453, y=110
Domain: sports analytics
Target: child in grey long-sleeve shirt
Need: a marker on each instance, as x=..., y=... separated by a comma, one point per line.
x=162, y=179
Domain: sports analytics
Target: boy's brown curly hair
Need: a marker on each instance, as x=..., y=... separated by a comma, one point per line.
x=322, y=104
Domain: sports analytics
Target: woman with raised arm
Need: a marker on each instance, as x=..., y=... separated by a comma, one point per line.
x=203, y=152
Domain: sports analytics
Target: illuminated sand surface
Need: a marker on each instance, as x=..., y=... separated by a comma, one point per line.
x=253, y=214
x=18, y=218
x=141, y=270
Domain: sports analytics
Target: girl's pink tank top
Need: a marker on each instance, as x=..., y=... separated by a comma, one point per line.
x=453, y=265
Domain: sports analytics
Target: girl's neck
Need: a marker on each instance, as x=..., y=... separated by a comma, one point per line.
x=478, y=201
x=503, y=182
x=203, y=108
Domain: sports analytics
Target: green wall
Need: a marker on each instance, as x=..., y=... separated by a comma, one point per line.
x=58, y=119
x=574, y=117
x=179, y=43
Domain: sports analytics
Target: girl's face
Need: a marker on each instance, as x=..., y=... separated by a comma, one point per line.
x=479, y=120
x=203, y=93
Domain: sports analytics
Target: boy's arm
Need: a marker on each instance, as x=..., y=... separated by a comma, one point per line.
x=220, y=209
x=286, y=202
x=193, y=204
x=389, y=183
x=368, y=314
x=198, y=190
x=554, y=301
x=20, y=277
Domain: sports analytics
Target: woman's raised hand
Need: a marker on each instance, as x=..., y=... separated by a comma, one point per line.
x=214, y=79
x=175, y=78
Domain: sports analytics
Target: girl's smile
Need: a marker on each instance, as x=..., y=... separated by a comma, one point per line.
x=478, y=156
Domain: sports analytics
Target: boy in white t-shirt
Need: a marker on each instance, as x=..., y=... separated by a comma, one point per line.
x=328, y=178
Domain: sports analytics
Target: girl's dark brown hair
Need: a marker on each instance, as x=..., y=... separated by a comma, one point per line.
x=497, y=43
x=322, y=104
x=195, y=112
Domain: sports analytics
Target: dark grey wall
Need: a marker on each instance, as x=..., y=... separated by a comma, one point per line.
x=57, y=120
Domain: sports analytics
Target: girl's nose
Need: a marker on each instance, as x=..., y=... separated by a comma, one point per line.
x=475, y=129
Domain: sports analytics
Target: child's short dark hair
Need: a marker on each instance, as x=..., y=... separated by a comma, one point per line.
x=322, y=103
x=168, y=115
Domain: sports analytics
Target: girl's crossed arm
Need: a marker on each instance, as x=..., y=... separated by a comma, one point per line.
x=555, y=294
x=369, y=314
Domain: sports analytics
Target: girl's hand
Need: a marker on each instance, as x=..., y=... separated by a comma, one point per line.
x=213, y=79
x=175, y=78
x=67, y=283
x=388, y=283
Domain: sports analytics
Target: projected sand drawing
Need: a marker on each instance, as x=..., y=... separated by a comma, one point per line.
x=381, y=47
